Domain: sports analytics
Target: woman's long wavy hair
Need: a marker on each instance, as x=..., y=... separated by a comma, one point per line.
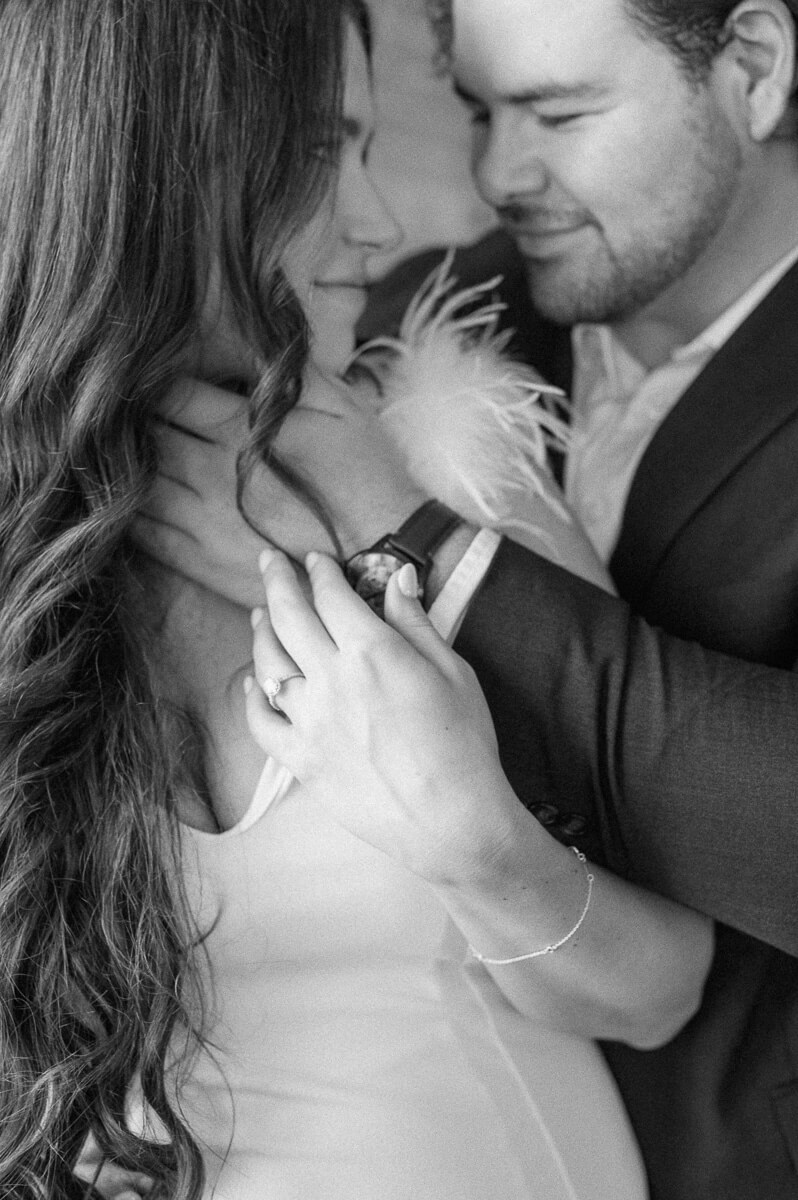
x=118, y=121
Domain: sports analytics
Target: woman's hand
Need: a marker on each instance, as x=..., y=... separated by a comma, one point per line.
x=389, y=730
x=389, y=726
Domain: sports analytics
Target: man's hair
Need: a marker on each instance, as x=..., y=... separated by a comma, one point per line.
x=694, y=32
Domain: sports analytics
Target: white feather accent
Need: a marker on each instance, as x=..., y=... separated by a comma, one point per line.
x=472, y=425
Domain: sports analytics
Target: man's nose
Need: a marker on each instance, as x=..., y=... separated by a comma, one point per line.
x=507, y=163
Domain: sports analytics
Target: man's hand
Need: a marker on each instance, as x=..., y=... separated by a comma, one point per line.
x=191, y=521
x=107, y=1180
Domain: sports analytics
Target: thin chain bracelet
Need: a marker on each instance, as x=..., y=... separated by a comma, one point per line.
x=503, y=962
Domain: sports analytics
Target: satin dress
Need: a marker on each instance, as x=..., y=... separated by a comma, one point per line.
x=355, y=1050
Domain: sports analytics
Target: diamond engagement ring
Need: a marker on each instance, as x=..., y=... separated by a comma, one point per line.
x=272, y=687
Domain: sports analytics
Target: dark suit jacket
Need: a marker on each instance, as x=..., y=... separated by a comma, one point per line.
x=684, y=761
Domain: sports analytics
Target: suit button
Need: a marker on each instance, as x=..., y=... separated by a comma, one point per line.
x=547, y=814
x=572, y=825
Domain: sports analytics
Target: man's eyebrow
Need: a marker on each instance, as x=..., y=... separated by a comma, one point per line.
x=547, y=91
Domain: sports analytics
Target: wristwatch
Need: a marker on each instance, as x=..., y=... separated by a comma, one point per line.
x=368, y=571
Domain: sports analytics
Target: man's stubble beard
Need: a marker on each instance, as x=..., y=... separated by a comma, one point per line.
x=611, y=279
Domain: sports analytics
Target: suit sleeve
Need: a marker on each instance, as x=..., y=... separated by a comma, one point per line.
x=684, y=760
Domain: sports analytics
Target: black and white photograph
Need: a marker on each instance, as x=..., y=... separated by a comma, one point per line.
x=398, y=600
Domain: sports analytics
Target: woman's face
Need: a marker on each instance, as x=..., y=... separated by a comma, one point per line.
x=326, y=263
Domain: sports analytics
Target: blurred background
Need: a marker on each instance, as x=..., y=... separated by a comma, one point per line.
x=420, y=156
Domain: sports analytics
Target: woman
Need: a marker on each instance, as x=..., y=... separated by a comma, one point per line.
x=146, y=145
x=323, y=1067
x=355, y=1046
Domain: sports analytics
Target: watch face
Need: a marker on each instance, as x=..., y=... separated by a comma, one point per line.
x=369, y=572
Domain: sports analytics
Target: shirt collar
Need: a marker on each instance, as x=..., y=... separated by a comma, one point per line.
x=599, y=354
x=709, y=340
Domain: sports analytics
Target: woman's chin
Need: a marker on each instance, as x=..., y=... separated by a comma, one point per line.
x=332, y=345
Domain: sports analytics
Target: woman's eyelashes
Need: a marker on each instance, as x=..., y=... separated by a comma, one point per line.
x=328, y=151
x=335, y=150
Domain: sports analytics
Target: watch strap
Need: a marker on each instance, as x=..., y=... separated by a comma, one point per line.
x=422, y=533
x=415, y=541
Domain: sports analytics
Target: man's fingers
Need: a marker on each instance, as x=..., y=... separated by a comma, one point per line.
x=193, y=460
x=205, y=410
x=173, y=501
x=165, y=543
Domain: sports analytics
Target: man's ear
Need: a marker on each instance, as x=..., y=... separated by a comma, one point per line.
x=762, y=45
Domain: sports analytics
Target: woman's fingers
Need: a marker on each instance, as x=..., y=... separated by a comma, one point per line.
x=274, y=667
x=375, y=714
x=349, y=620
x=270, y=730
x=269, y=694
x=404, y=613
x=338, y=619
x=278, y=679
x=345, y=615
x=294, y=621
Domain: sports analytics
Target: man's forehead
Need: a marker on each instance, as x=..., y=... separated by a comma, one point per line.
x=522, y=46
x=524, y=17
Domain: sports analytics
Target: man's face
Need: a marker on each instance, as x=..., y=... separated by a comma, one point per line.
x=613, y=171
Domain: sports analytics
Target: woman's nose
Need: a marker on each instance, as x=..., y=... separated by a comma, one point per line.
x=371, y=222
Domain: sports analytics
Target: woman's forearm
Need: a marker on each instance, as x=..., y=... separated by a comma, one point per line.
x=390, y=727
x=632, y=972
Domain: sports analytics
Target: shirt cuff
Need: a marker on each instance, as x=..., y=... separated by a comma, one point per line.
x=452, y=602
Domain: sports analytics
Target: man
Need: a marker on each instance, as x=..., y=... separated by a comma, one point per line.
x=643, y=156
x=641, y=153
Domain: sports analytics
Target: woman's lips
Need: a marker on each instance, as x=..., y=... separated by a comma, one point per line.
x=354, y=285
x=344, y=295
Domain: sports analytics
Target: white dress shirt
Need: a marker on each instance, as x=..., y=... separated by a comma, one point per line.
x=618, y=406
x=448, y=610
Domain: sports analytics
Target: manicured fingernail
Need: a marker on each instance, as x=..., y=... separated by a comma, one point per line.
x=255, y=617
x=266, y=557
x=311, y=560
x=407, y=580
x=249, y=683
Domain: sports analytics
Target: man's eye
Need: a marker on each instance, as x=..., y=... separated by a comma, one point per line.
x=478, y=115
x=557, y=120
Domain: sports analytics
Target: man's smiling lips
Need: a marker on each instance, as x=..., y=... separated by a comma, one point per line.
x=545, y=231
